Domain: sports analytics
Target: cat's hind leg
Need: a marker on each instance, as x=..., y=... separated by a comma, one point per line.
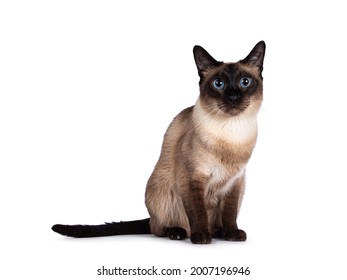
x=176, y=233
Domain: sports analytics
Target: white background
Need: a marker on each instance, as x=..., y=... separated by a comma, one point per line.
x=87, y=89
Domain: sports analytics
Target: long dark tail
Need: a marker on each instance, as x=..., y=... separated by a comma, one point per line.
x=121, y=228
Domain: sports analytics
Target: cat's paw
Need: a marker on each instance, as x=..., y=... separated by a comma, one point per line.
x=176, y=233
x=235, y=235
x=201, y=238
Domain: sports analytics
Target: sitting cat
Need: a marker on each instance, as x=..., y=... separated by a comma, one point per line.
x=197, y=185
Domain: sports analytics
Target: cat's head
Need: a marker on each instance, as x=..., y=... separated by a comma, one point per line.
x=231, y=88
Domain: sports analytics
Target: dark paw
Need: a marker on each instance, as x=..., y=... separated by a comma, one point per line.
x=176, y=233
x=236, y=235
x=201, y=238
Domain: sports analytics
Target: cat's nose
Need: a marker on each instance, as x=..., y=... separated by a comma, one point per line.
x=234, y=97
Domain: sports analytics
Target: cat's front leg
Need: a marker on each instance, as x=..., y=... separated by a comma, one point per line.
x=231, y=205
x=193, y=201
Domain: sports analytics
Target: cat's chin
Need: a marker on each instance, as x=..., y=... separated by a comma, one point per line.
x=232, y=109
x=234, y=112
x=228, y=112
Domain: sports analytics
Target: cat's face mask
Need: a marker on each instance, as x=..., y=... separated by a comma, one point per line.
x=230, y=88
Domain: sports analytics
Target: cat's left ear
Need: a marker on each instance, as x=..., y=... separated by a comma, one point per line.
x=256, y=56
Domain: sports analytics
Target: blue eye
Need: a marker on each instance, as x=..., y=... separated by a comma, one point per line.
x=218, y=84
x=245, y=82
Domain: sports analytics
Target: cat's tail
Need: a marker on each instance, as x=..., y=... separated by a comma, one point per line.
x=108, y=229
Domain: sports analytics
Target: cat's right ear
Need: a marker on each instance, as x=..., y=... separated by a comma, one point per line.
x=203, y=60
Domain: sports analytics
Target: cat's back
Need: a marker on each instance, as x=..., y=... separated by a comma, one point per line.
x=165, y=169
x=180, y=125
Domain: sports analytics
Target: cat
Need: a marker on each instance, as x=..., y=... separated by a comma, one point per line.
x=198, y=183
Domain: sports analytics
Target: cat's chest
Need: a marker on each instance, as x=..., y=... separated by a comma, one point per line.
x=236, y=130
x=221, y=179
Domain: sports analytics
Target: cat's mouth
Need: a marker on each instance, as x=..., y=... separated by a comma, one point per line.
x=232, y=108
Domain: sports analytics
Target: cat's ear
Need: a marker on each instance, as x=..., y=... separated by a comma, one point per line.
x=203, y=59
x=256, y=56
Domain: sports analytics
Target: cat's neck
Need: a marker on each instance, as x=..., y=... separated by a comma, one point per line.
x=232, y=129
